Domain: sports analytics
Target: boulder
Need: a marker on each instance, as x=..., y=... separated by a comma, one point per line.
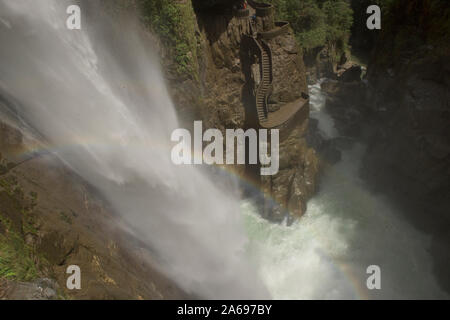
x=351, y=74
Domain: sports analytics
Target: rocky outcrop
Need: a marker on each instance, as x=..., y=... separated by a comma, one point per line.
x=345, y=103
x=411, y=109
x=226, y=73
x=40, y=289
x=408, y=108
x=50, y=219
x=59, y=220
x=219, y=94
x=409, y=104
x=289, y=77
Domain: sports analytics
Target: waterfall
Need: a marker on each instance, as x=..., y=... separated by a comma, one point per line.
x=98, y=98
x=345, y=229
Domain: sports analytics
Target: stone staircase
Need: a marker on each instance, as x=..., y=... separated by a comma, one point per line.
x=263, y=89
x=293, y=111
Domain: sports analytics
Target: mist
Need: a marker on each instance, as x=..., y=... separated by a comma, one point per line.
x=98, y=98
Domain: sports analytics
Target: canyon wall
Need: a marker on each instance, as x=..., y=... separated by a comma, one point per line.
x=408, y=107
x=218, y=96
x=51, y=219
x=409, y=104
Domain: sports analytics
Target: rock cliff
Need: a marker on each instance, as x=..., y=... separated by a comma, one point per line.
x=50, y=219
x=402, y=111
x=409, y=101
x=220, y=98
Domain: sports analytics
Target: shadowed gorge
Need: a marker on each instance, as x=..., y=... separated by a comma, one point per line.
x=357, y=123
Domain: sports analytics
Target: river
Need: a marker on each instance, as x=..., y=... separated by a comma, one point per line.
x=346, y=228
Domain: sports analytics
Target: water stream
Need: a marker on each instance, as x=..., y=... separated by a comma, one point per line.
x=102, y=106
x=346, y=228
x=98, y=98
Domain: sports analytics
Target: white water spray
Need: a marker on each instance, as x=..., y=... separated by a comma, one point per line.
x=99, y=99
x=346, y=228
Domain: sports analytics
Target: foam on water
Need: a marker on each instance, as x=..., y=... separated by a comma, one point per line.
x=346, y=228
x=98, y=98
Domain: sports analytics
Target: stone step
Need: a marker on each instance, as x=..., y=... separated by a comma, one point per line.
x=266, y=68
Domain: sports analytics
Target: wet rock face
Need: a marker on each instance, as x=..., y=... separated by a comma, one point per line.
x=9, y=137
x=208, y=4
x=321, y=63
x=296, y=182
x=410, y=105
x=345, y=103
x=223, y=105
x=289, y=77
x=408, y=156
x=218, y=93
x=55, y=220
x=40, y=289
x=412, y=140
x=352, y=74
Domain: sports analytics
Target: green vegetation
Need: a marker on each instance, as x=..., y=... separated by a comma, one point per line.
x=413, y=30
x=65, y=217
x=426, y=20
x=16, y=257
x=174, y=21
x=18, y=260
x=317, y=22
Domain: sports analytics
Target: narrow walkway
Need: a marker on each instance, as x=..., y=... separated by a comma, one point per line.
x=263, y=89
x=278, y=118
x=289, y=110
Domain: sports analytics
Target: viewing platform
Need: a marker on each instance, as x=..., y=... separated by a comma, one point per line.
x=263, y=29
x=292, y=110
x=281, y=27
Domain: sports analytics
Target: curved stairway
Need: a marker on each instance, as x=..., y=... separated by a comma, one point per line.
x=288, y=111
x=263, y=89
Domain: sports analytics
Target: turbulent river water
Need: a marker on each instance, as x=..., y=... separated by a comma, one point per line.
x=99, y=102
x=346, y=228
